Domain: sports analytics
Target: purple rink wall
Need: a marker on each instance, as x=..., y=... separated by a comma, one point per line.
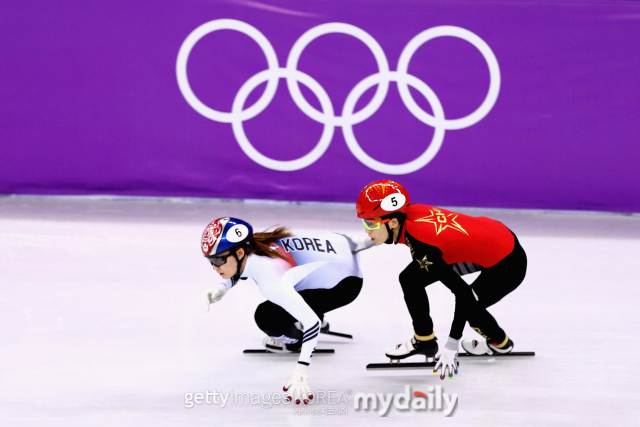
x=513, y=104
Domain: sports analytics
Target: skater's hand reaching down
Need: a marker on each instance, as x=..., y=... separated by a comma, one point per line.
x=298, y=386
x=359, y=244
x=448, y=360
x=216, y=294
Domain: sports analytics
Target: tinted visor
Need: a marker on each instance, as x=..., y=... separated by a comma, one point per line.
x=218, y=261
x=371, y=224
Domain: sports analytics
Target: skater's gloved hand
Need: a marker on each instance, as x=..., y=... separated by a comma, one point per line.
x=216, y=294
x=448, y=359
x=358, y=244
x=298, y=386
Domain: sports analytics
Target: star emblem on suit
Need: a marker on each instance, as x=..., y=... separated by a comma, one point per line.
x=424, y=263
x=442, y=221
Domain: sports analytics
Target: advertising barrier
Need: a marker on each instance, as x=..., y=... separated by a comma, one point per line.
x=513, y=104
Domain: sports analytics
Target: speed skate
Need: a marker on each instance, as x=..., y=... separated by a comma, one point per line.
x=431, y=362
x=266, y=351
x=273, y=346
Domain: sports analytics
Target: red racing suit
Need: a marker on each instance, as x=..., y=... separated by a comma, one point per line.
x=439, y=239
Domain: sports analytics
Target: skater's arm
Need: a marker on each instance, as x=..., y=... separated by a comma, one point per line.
x=277, y=288
x=287, y=298
x=228, y=284
x=465, y=301
x=218, y=291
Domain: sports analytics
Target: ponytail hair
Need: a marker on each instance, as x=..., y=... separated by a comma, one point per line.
x=261, y=243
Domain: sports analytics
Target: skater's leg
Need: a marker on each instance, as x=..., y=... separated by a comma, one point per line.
x=276, y=322
x=413, y=281
x=491, y=286
x=280, y=325
x=495, y=282
x=486, y=325
x=323, y=301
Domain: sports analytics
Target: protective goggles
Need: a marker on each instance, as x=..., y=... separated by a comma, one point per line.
x=218, y=261
x=372, y=224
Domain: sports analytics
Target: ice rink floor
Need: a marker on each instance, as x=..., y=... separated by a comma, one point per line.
x=103, y=322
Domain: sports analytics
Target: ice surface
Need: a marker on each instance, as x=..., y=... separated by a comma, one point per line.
x=103, y=322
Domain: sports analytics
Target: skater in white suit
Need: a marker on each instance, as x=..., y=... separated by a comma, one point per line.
x=303, y=277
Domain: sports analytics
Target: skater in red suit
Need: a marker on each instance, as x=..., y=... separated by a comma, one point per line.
x=444, y=246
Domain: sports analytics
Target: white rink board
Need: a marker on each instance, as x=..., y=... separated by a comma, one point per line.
x=103, y=322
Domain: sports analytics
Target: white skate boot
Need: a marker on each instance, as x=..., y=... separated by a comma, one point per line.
x=480, y=346
x=476, y=347
x=275, y=346
x=413, y=346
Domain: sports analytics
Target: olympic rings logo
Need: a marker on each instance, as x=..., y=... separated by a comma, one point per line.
x=327, y=117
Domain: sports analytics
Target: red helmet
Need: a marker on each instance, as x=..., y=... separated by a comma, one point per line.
x=382, y=198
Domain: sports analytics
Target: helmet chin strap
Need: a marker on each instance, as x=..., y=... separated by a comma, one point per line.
x=236, y=276
x=390, y=233
x=390, y=240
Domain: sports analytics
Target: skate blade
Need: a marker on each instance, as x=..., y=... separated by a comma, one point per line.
x=401, y=365
x=265, y=351
x=396, y=364
x=337, y=334
x=512, y=354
